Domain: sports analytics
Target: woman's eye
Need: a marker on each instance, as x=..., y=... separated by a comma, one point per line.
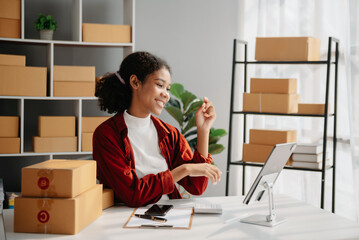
x=168, y=89
x=160, y=85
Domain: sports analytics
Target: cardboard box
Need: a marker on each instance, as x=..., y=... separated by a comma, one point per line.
x=256, y=152
x=57, y=126
x=274, y=85
x=86, y=142
x=58, y=215
x=58, y=178
x=312, y=108
x=10, y=9
x=74, y=89
x=89, y=124
x=271, y=103
x=9, y=145
x=10, y=28
x=55, y=144
x=12, y=60
x=13, y=82
x=9, y=126
x=287, y=49
x=74, y=73
x=107, y=198
x=93, y=32
x=272, y=137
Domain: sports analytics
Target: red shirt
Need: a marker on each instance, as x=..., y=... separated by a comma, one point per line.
x=116, y=164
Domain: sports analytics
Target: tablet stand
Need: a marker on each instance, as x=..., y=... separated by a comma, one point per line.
x=270, y=220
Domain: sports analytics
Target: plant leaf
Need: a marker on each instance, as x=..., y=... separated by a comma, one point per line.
x=175, y=113
x=191, y=123
x=186, y=98
x=176, y=90
x=213, y=139
x=174, y=103
x=193, y=132
x=215, y=148
x=218, y=132
x=193, y=107
x=189, y=117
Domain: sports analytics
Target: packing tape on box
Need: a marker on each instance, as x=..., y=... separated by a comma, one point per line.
x=46, y=183
x=43, y=215
x=260, y=102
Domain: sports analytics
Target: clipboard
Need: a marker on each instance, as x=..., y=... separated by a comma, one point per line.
x=177, y=218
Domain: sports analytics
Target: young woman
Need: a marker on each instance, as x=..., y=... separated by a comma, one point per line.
x=139, y=156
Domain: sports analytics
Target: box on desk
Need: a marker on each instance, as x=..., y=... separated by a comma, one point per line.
x=89, y=124
x=58, y=215
x=74, y=73
x=9, y=126
x=57, y=126
x=74, y=89
x=58, y=178
x=86, y=142
x=272, y=137
x=273, y=85
x=93, y=32
x=312, y=108
x=10, y=28
x=9, y=145
x=287, y=49
x=12, y=60
x=272, y=103
x=107, y=198
x=13, y=82
x=55, y=144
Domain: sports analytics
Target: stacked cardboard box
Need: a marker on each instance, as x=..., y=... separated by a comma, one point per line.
x=94, y=32
x=262, y=141
x=12, y=80
x=89, y=124
x=56, y=134
x=276, y=95
x=9, y=134
x=58, y=196
x=74, y=81
x=287, y=49
x=312, y=108
x=10, y=18
x=309, y=156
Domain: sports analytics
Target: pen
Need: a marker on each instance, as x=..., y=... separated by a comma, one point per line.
x=157, y=219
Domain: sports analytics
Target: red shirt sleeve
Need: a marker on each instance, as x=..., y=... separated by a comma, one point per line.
x=183, y=154
x=115, y=167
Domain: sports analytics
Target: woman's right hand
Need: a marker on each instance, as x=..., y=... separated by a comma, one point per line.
x=197, y=170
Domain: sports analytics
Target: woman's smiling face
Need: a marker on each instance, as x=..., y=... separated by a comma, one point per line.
x=152, y=95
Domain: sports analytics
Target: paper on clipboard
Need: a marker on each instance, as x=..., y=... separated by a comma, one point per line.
x=179, y=218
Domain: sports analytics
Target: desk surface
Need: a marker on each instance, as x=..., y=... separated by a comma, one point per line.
x=303, y=222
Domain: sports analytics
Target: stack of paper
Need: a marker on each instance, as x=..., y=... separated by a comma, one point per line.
x=308, y=156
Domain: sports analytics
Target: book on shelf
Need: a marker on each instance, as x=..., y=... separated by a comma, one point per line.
x=305, y=157
x=313, y=165
x=311, y=148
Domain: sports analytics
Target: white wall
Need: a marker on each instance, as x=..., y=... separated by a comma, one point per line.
x=195, y=37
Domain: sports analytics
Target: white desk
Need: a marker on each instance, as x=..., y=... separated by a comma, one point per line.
x=304, y=222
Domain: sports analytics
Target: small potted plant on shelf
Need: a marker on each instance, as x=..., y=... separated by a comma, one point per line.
x=46, y=25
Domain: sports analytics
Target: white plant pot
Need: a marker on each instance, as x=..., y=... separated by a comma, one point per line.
x=46, y=34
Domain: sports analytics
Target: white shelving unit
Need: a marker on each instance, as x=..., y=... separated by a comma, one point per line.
x=22, y=105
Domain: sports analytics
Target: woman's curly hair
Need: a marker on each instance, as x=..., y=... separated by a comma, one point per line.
x=113, y=95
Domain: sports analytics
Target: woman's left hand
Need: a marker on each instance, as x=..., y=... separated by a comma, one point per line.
x=205, y=116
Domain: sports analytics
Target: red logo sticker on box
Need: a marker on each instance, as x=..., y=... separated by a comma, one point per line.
x=43, y=216
x=43, y=183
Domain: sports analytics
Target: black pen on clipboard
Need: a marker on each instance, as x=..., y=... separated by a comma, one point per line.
x=157, y=219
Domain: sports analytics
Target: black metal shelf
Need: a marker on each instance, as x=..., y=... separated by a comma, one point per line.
x=328, y=63
x=284, y=114
x=251, y=164
x=324, y=62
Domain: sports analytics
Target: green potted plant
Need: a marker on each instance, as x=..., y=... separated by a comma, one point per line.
x=182, y=107
x=46, y=25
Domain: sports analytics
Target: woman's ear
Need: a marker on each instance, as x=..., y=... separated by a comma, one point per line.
x=134, y=82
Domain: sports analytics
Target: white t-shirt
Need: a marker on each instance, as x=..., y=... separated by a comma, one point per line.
x=144, y=142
